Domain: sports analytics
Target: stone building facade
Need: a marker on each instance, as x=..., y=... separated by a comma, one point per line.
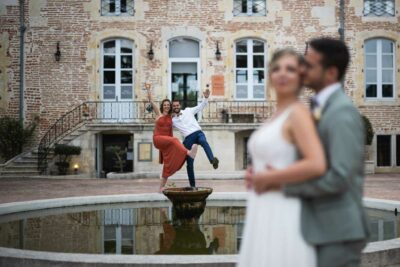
x=104, y=63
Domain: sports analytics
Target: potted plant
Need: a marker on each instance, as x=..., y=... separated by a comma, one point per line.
x=369, y=136
x=14, y=136
x=65, y=152
x=119, y=156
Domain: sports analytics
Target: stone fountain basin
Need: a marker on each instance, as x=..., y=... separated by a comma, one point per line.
x=188, y=203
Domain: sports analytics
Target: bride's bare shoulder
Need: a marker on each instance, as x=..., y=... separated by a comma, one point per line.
x=300, y=112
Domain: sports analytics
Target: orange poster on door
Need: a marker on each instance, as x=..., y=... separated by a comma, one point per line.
x=217, y=83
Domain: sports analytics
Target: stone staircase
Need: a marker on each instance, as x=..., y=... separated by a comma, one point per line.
x=25, y=165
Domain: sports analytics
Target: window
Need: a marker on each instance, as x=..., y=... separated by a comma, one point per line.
x=383, y=150
x=118, y=231
x=388, y=150
x=250, y=69
x=397, y=150
x=249, y=8
x=379, y=8
x=117, y=8
x=379, y=68
x=117, y=70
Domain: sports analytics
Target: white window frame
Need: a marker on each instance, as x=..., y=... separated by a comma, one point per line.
x=117, y=69
x=379, y=69
x=250, y=10
x=117, y=9
x=184, y=60
x=393, y=159
x=250, y=69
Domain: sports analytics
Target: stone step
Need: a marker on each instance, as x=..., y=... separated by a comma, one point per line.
x=29, y=167
x=23, y=162
x=9, y=174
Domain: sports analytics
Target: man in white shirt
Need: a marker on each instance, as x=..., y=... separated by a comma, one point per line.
x=186, y=123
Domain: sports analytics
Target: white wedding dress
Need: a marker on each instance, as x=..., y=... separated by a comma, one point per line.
x=272, y=235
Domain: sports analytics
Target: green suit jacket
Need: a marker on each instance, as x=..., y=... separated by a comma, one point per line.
x=332, y=209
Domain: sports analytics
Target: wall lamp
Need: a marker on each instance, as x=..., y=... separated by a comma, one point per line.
x=57, y=54
x=218, y=53
x=150, y=54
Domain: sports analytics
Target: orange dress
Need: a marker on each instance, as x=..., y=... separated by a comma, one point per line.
x=172, y=152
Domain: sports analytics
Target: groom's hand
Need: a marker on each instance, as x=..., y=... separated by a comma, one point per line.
x=248, y=177
x=206, y=93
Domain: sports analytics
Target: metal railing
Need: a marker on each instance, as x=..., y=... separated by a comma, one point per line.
x=137, y=112
x=379, y=8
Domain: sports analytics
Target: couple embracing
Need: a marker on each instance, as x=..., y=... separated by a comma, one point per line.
x=305, y=205
x=173, y=153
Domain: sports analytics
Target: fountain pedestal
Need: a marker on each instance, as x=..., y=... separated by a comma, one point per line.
x=188, y=204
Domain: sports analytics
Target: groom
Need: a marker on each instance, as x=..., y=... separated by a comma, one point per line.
x=333, y=218
x=186, y=123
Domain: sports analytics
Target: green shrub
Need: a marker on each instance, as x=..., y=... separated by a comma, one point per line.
x=65, y=152
x=369, y=131
x=13, y=136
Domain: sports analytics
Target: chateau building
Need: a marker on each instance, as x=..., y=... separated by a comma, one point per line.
x=85, y=63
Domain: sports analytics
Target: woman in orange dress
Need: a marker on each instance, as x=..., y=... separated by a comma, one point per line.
x=173, y=154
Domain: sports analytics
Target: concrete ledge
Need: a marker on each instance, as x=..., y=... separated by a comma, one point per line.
x=383, y=253
x=179, y=176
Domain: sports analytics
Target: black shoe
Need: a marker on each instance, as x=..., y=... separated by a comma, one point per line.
x=215, y=163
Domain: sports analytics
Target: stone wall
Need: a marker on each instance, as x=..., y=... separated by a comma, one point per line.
x=52, y=88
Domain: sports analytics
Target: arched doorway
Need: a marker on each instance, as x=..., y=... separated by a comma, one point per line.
x=184, y=66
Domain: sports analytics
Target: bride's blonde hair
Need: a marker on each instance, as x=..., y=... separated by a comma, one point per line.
x=278, y=54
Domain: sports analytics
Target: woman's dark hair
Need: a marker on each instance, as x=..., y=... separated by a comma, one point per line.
x=334, y=54
x=162, y=106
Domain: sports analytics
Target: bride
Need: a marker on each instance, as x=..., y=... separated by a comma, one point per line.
x=288, y=142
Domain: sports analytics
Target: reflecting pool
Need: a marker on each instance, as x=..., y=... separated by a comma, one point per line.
x=144, y=228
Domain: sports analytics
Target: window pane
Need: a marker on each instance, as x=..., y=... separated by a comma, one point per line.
x=109, y=77
x=387, y=76
x=123, y=6
x=370, y=46
x=387, y=90
x=109, y=47
x=241, y=91
x=241, y=61
x=370, y=61
x=126, y=92
x=258, y=76
x=258, y=91
x=239, y=7
x=112, y=6
x=370, y=76
x=387, y=46
x=183, y=47
x=383, y=143
x=126, y=76
x=126, y=62
x=371, y=90
x=108, y=92
x=258, y=61
x=259, y=7
x=387, y=61
x=126, y=46
x=241, y=76
x=109, y=62
x=258, y=47
x=398, y=150
x=241, y=46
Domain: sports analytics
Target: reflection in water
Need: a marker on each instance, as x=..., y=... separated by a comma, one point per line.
x=145, y=230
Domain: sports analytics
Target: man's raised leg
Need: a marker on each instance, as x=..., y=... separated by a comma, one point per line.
x=202, y=140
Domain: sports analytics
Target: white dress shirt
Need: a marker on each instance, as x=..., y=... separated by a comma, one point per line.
x=325, y=93
x=186, y=123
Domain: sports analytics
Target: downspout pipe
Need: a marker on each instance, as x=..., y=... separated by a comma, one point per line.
x=341, y=20
x=341, y=26
x=22, y=29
